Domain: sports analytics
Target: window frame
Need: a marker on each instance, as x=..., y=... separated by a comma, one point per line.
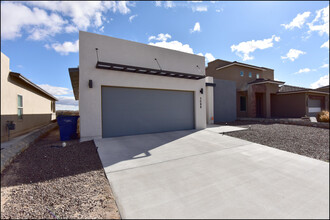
x=240, y=103
x=257, y=76
x=20, y=107
x=242, y=73
x=250, y=74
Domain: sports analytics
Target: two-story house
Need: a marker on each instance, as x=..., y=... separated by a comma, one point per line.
x=259, y=95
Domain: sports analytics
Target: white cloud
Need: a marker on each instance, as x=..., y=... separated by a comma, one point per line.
x=67, y=103
x=323, y=81
x=71, y=29
x=324, y=65
x=209, y=57
x=37, y=22
x=219, y=10
x=158, y=3
x=293, y=54
x=320, y=22
x=325, y=45
x=305, y=70
x=298, y=21
x=169, y=4
x=47, y=18
x=197, y=28
x=132, y=17
x=66, y=100
x=67, y=107
x=101, y=29
x=160, y=37
x=199, y=8
x=65, y=48
x=54, y=90
x=174, y=45
x=244, y=49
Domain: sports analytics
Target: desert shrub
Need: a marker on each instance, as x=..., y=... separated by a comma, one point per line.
x=323, y=116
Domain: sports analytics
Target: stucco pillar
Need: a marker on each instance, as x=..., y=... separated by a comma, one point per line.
x=268, y=104
x=209, y=101
x=251, y=102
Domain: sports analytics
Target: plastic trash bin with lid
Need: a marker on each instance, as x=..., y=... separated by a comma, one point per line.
x=68, y=126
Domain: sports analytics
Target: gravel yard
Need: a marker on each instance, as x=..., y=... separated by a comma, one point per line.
x=47, y=181
x=308, y=141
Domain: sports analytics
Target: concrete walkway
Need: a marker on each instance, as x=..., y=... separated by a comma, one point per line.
x=203, y=174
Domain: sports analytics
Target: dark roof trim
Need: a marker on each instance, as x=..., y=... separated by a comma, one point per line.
x=210, y=84
x=261, y=81
x=303, y=91
x=19, y=76
x=144, y=70
x=240, y=64
x=74, y=78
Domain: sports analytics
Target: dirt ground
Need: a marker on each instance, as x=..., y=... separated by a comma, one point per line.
x=52, y=182
x=308, y=141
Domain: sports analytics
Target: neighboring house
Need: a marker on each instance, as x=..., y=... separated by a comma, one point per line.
x=23, y=103
x=294, y=102
x=323, y=89
x=259, y=95
x=129, y=88
x=254, y=86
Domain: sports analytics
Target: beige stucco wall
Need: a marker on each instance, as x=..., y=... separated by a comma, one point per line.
x=36, y=107
x=115, y=50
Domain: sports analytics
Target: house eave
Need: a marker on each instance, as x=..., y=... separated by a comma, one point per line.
x=25, y=80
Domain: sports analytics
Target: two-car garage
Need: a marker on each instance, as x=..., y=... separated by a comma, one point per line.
x=132, y=111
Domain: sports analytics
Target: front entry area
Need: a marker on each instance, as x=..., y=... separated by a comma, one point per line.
x=132, y=111
x=259, y=105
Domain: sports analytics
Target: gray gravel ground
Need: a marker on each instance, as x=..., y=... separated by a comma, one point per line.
x=47, y=182
x=308, y=141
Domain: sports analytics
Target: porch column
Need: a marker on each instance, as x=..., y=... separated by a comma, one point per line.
x=268, y=104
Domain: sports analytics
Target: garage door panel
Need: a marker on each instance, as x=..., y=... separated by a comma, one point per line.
x=131, y=111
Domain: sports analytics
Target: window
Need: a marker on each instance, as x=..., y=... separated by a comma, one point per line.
x=250, y=74
x=257, y=75
x=242, y=73
x=242, y=103
x=20, y=106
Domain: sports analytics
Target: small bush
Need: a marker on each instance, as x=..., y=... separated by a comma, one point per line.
x=323, y=116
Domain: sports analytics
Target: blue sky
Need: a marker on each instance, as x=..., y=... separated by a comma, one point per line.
x=40, y=38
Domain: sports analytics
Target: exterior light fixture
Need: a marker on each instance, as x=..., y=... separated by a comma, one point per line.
x=90, y=83
x=201, y=91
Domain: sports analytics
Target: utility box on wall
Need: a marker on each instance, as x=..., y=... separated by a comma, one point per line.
x=224, y=101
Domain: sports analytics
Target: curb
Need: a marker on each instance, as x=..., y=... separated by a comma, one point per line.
x=10, y=153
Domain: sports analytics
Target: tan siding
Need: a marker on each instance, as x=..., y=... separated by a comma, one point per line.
x=289, y=105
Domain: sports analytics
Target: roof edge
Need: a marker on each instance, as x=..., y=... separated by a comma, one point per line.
x=21, y=77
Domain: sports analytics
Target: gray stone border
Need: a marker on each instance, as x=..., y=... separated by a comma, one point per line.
x=291, y=121
x=10, y=153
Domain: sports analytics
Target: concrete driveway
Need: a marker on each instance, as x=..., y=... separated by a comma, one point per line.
x=204, y=174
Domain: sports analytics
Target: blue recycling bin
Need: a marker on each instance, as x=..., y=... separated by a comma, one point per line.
x=68, y=126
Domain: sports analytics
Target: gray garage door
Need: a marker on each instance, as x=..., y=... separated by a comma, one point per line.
x=314, y=107
x=131, y=111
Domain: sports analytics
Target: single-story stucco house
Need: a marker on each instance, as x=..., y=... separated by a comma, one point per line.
x=129, y=88
x=23, y=103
